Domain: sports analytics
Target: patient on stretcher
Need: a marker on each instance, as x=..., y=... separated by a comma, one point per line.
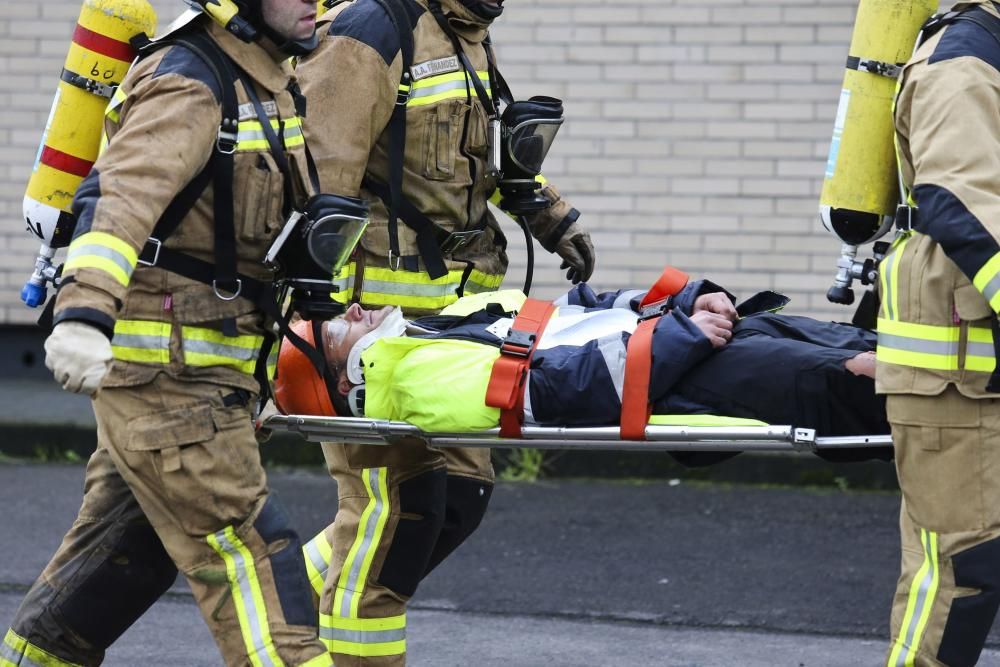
x=706, y=359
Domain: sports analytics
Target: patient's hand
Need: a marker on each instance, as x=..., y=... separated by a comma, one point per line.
x=717, y=328
x=718, y=303
x=863, y=364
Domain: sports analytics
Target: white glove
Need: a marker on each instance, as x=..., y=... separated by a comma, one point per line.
x=78, y=356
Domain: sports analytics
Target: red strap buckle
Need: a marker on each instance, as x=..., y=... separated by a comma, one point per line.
x=510, y=370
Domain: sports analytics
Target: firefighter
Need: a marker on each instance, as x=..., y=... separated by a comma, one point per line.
x=937, y=344
x=165, y=334
x=403, y=509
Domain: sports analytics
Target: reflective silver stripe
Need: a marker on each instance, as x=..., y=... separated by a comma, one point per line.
x=141, y=342
x=366, y=544
x=363, y=636
x=890, y=260
x=8, y=652
x=441, y=88
x=94, y=250
x=979, y=350
x=938, y=347
x=196, y=346
x=315, y=557
x=409, y=289
x=246, y=592
x=922, y=601
x=612, y=348
x=991, y=288
x=290, y=132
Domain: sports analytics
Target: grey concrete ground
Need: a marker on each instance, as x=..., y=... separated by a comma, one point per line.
x=573, y=573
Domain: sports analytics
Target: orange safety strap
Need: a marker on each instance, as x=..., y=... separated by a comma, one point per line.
x=510, y=370
x=670, y=282
x=636, y=407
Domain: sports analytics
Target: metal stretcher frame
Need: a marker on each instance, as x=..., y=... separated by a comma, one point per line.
x=365, y=431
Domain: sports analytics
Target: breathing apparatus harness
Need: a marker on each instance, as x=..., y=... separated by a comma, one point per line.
x=222, y=275
x=433, y=241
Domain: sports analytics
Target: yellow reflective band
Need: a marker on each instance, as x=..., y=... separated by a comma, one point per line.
x=949, y=334
x=210, y=347
x=317, y=554
x=103, y=252
x=251, y=137
x=934, y=347
x=113, y=110
x=354, y=572
x=272, y=363
x=16, y=651
x=364, y=637
x=454, y=85
x=142, y=341
x=247, y=597
x=987, y=281
x=923, y=591
x=322, y=660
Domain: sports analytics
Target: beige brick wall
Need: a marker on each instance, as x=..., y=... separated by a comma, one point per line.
x=697, y=132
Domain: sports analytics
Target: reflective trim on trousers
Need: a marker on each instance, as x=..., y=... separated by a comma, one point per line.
x=141, y=341
x=17, y=652
x=918, y=606
x=103, y=252
x=210, y=347
x=317, y=553
x=247, y=597
x=354, y=573
x=364, y=637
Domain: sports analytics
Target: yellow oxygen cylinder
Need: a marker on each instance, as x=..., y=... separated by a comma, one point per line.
x=99, y=56
x=860, y=188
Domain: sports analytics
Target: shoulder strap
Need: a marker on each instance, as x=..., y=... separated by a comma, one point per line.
x=510, y=370
x=397, y=123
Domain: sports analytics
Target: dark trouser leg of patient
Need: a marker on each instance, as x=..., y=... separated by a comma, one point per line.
x=786, y=370
x=107, y=572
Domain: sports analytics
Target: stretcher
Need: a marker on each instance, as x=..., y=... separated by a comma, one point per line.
x=664, y=433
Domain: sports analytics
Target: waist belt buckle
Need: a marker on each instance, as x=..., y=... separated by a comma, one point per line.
x=459, y=240
x=656, y=309
x=518, y=343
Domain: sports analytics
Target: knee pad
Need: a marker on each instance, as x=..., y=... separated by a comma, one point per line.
x=134, y=575
x=287, y=567
x=422, y=516
x=465, y=508
x=971, y=617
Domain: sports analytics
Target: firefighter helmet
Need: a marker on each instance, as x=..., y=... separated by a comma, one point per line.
x=299, y=389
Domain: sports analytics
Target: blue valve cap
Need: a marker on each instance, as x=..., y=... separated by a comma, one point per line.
x=33, y=295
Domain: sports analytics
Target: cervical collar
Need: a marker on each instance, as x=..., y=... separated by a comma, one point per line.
x=392, y=325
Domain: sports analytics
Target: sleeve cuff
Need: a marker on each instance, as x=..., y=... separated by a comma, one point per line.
x=95, y=318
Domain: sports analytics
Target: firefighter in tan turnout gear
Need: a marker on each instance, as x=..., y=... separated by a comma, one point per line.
x=176, y=481
x=938, y=341
x=403, y=97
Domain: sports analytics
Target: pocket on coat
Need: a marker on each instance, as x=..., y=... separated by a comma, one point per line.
x=441, y=132
x=258, y=197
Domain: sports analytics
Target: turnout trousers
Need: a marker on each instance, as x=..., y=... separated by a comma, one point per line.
x=175, y=483
x=948, y=461
x=402, y=510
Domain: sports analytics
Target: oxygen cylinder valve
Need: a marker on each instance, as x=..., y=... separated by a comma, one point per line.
x=849, y=270
x=35, y=291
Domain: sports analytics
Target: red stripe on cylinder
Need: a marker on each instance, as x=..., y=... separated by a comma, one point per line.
x=65, y=162
x=106, y=46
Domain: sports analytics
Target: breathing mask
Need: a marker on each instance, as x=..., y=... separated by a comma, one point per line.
x=527, y=129
x=313, y=246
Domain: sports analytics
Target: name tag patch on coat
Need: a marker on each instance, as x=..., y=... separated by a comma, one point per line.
x=435, y=67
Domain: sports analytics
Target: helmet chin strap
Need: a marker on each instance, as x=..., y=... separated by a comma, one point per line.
x=484, y=10
x=291, y=47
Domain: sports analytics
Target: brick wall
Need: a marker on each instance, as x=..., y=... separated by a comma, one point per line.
x=697, y=133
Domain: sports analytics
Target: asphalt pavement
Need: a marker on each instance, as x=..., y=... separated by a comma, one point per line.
x=573, y=572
